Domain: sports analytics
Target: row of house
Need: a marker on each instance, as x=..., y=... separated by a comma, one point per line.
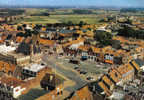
x=106, y=54
x=117, y=76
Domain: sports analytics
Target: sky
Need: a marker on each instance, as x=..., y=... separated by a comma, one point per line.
x=119, y=3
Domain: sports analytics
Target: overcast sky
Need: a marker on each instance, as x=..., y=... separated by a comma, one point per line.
x=129, y=3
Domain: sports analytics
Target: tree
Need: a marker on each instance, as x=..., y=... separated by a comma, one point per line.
x=116, y=44
x=28, y=33
x=81, y=11
x=81, y=23
x=128, y=21
x=19, y=28
x=103, y=37
x=130, y=32
x=69, y=23
x=35, y=32
x=20, y=34
x=24, y=25
x=37, y=27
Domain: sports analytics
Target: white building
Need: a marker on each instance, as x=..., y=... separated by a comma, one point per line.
x=32, y=70
x=76, y=45
x=6, y=49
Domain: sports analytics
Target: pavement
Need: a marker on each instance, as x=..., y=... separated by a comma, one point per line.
x=68, y=73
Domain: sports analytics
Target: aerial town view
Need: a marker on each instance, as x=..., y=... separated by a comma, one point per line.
x=71, y=49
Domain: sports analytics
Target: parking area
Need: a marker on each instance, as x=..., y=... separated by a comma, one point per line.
x=88, y=70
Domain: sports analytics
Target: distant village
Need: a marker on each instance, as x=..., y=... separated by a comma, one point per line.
x=28, y=50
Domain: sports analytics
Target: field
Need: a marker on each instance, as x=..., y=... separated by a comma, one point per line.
x=90, y=19
x=59, y=16
x=36, y=15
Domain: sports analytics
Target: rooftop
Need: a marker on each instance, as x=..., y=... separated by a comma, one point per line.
x=6, y=49
x=10, y=81
x=34, y=67
x=74, y=42
x=47, y=42
x=52, y=79
x=16, y=55
x=67, y=31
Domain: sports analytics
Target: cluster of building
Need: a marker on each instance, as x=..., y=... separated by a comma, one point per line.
x=20, y=64
x=21, y=53
x=118, y=76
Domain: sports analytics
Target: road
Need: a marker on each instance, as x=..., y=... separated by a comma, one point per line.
x=65, y=72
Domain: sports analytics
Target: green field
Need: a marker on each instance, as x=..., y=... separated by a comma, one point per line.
x=90, y=19
x=34, y=15
x=62, y=16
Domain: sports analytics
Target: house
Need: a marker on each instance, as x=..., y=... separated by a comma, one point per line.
x=127, y=72
x=15, y=58
x=34, y=70
x=71, y=48
x=116, y=76
x=49, y=34
x=7, y=67
x=100, y=87
x=95, y=54
x=109, y=82
x=109, y=56
x=106, y=54
x=137, y=64
x=11, y=86
x=6, y=49
x=20, y=53
x=83, y=50
x=75, y=43
x=82, y=94
x=19, y=39
x=52, y=82
x=46, y=42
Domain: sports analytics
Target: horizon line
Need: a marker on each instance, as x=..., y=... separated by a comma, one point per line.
x=65, y=6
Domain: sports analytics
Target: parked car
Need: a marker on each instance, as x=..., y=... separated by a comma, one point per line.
x=83, y=72
x=76, y=67
x=90, y=78
x=74, y=61
x=78, y=70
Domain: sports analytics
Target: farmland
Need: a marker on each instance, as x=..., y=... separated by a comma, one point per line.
x=60, y=16
x=90, y=19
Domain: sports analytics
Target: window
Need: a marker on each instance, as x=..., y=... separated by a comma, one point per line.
x=35, y=73
x=116, y=75
x=26, y=71
x=31, y=72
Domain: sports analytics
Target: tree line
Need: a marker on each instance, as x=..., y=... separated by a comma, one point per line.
x=130, y=32
x=11, y=12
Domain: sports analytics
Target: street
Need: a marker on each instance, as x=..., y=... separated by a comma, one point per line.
x=67, y=73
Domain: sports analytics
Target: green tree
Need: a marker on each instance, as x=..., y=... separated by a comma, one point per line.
x=37, y=27
x=19, y=28
x=69, y=23
x=81, y=23
x=103, y=37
